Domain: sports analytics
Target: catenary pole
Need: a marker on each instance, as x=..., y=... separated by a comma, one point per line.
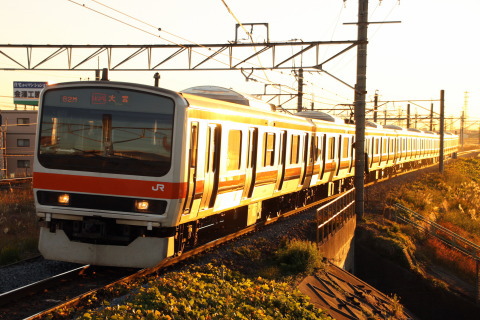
x=442, y=130
x=300, y=90
x=360, y=92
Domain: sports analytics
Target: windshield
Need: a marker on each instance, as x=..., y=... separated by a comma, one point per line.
x=106, y=130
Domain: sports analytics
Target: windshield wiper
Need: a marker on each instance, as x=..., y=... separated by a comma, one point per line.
x=95, y=153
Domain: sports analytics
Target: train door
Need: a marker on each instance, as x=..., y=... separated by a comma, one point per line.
x=352, y=154
x=330, y=159
x=381, y=150
x=192, y=167
x=307, y=161
x=375, y=152
x=339, y=154
x=389, y=149
x=212, y=169
x=282, y=159
x=312, y=158
x=251, y=168
x=369, y=152
x=323, y=155
x=399, y=148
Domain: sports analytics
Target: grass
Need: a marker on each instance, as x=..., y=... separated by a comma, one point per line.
x=18, y=225
x=210, y=292
x=450, y=199
x=299, y=256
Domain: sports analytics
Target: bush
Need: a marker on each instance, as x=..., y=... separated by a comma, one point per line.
x=19, y=227
x=211, y=292
x=299, y=256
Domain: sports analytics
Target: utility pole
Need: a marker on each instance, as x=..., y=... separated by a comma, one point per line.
x=360, y=92
x=442, y=129
x=431, y=117
x=464, y=117
x=478, y=134
x=408, y=115
x=300, y=90
x=375, y=107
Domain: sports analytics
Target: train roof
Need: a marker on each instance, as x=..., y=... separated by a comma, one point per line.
x=372, y=124
x=319, y=115
x=393, y=127
x=229, y=95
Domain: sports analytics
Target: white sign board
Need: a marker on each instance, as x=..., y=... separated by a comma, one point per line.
x=27, y=93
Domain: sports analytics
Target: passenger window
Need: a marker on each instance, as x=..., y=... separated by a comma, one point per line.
x=320, y=147
x=269, y=149
x=194, y=145
x=345, y=147
x=294, y=151
x=331, y=148
x=234, y=150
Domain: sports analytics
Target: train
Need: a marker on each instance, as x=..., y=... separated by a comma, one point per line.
x=128, y=174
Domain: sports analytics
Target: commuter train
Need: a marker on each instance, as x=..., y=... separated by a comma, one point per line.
x=128, y=174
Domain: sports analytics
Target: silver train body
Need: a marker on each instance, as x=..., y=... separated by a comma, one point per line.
x=127, y=175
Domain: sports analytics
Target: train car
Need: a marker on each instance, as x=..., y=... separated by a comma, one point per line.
x=128, y=174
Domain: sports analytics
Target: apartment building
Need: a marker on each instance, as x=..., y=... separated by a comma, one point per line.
x=17, y=142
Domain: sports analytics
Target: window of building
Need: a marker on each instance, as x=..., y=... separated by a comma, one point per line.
x=234, y=150
x=23, y=121
x=23, y=142
x=23, y=163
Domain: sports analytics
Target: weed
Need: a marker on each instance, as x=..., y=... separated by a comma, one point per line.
x=211, y=292
x=299, y=256
x=451, y=200
x=397, y=308
x=18, y=225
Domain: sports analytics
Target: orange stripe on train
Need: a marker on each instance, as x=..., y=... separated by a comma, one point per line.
x=110, y=186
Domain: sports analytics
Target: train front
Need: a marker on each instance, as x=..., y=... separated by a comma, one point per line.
x=104, y=180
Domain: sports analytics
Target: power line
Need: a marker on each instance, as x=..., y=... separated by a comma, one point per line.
x=264, y=80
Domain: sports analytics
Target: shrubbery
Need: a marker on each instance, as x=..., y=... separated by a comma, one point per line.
x=452, y=200
x=18, y=225
x=299, y=256
x=210, y=292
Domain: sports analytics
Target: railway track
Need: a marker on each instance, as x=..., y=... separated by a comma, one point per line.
x=48, y=299
x=86, y=287
x=36, y=297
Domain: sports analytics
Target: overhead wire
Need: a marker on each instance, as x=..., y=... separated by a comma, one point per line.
x=109, y=7
x=162, y=30
x=148, y=32
x=249, y=34
x=236, y=19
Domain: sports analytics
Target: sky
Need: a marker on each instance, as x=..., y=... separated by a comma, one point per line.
x=433, y=48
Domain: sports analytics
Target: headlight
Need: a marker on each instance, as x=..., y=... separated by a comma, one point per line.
x=142, y=205
x=64, y=199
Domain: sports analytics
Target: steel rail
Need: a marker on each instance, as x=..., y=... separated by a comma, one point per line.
x=38, y=286
x=69, y=305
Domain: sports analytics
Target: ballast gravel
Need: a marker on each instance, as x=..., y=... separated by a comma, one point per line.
x=30, y=271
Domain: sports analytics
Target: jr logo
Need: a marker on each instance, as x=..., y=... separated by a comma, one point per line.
x=159, y=186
